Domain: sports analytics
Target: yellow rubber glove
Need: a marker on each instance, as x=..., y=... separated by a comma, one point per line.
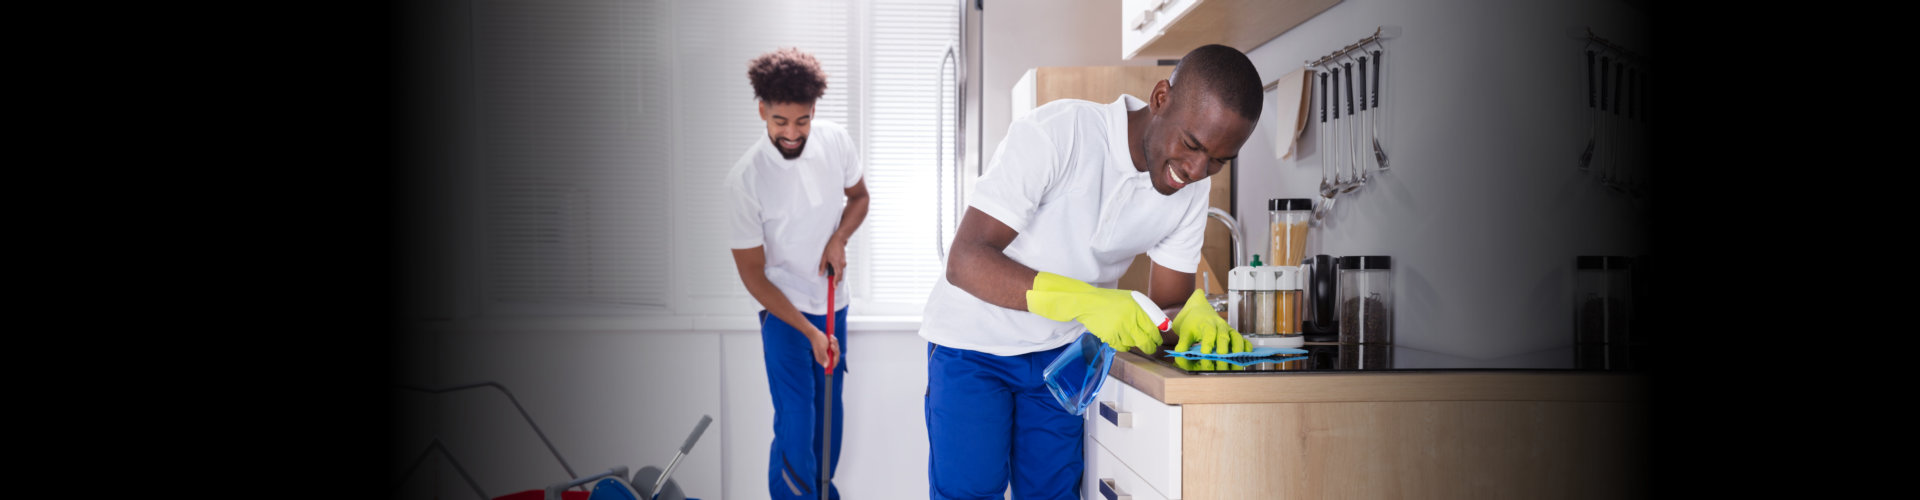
x=1198, y=322
x=1112, y=315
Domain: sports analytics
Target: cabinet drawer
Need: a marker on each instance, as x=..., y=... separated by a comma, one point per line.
x=1143, y=21
x=1143, y=433
x=1121, y=482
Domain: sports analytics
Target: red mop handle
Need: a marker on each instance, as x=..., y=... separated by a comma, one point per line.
x=834, y=359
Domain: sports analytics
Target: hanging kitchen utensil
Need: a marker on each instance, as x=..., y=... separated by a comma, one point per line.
x=1607, y=103
x=1639, y=119
x=1339, y=156
x=1379, y=151
x=1646, y=122
x=1353, y=143
x=1606, y=126
x=1365, y=123
x=1593, y=117
x=1592, y=114
x=1325, y=150
x=1340, y=119
x=1613, y=171
x=1630, y=177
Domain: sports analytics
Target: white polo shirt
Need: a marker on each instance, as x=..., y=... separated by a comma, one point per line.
x=1064, y=179
x=792, y=207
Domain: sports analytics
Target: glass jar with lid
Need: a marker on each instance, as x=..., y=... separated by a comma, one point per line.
x=1602, y=299
x=1287, y=225
x=1366, y=299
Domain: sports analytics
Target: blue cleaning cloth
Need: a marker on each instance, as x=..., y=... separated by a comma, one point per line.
x=1259, y=352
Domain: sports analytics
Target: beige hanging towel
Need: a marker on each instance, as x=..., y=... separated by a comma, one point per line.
x=1293, y=94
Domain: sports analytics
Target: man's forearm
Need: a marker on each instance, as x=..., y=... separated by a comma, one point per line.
x=978, y=262
x=990, y=275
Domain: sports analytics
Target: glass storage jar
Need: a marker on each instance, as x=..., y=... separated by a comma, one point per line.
x=1287, y=225
x=1366, y=299
x=1602, y=299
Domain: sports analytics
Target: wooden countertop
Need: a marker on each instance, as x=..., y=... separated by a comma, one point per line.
x=1174, y=386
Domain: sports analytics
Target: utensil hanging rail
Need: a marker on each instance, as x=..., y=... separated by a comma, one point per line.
x=1379, y=33
x=1612, y=47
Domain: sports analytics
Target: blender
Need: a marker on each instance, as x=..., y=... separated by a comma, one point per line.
x=1319, y=322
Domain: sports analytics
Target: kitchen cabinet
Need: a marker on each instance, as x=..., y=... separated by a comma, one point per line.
x=1161, y=432
x=1168, y=29
x=1103, y=84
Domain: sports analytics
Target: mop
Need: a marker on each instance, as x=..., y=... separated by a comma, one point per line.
x=826, y=396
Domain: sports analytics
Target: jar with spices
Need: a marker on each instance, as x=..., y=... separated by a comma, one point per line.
x=1602, y=301
x=1366, y=299
x=1265, y=304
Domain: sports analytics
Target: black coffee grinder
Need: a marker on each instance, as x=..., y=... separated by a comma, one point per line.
x=1321, y=323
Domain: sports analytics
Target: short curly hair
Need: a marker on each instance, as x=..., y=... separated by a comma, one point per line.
x=787, y=76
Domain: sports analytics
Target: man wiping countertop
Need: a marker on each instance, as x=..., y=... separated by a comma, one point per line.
x=1075, y=191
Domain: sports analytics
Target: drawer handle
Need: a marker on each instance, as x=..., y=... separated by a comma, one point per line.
x=1112, y=493
x=1113, y=415
x=1140, y=22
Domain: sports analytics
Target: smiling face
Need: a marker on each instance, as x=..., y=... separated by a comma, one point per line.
x=787, y=126
x=1189, y=135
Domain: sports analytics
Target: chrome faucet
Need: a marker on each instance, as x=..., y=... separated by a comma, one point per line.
x=1219, y=302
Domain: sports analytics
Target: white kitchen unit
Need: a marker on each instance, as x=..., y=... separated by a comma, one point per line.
x=1168, y=29
x=1140, y=436
x=1159, y=432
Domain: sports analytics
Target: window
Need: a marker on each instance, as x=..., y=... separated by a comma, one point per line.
x=908, y=93
x=571, y=219
x=608, y=125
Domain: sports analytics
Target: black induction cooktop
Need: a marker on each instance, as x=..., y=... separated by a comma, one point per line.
x=1351, y=358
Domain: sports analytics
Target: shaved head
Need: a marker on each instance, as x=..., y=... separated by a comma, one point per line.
x=1223, y=73
x=1197, y=119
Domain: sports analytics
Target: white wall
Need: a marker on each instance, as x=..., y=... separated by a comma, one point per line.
x=627, y=398
x=1484, y=210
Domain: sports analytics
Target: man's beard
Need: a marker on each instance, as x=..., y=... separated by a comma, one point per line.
x=789, y=153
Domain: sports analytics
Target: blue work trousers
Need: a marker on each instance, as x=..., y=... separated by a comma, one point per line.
x=991, y=419
x=796, y=382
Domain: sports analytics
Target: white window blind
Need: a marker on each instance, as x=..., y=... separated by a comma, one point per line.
x=572, y=211
x=908, y=93
x=608, y=126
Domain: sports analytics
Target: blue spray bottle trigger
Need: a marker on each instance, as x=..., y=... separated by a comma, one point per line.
x=1077, y=374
